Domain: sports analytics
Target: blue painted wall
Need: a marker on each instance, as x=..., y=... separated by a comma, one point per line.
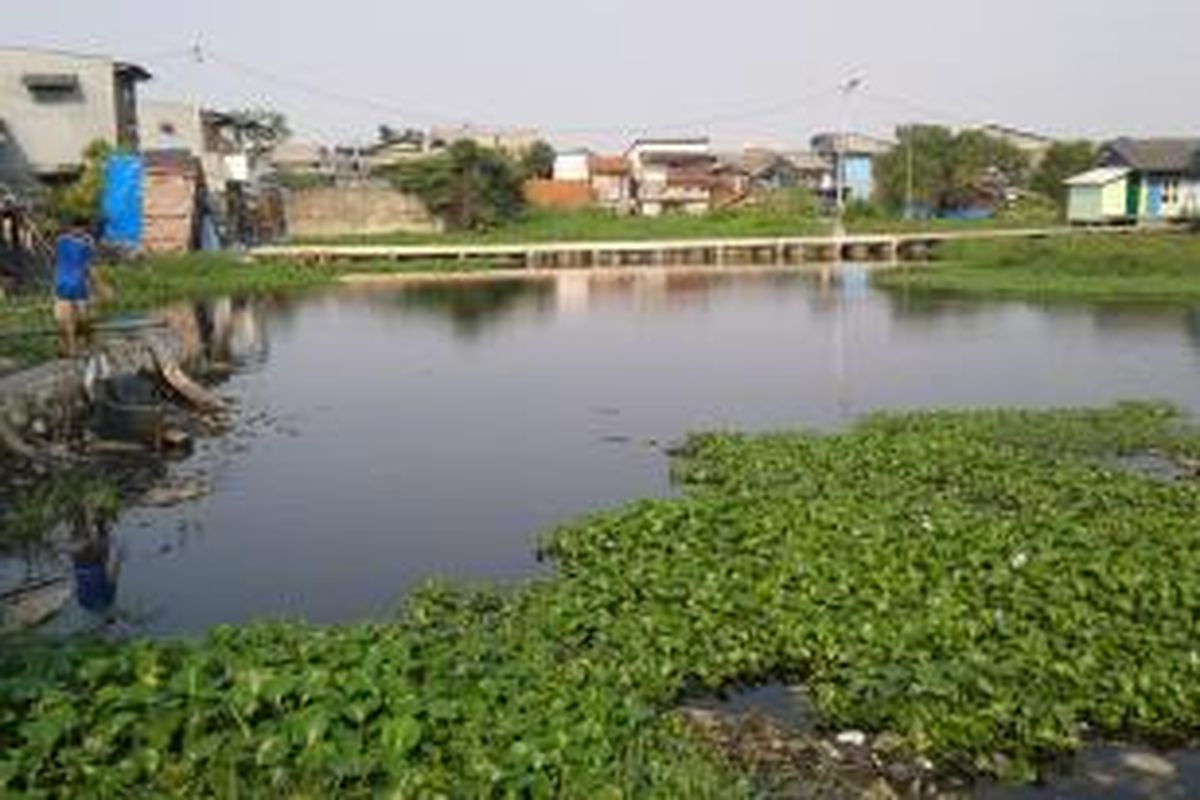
x=858, y=177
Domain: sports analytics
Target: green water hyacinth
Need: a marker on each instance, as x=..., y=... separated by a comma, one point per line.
x=989, y=588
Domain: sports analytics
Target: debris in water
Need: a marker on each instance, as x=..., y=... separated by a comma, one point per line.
x=1148, y=763
x=173, y=494
x=852, y=738
x=31, y=604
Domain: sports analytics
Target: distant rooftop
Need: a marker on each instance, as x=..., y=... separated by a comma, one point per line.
x=656, y=141
x=850, y=142
x=1016, y=133
x=609, y=165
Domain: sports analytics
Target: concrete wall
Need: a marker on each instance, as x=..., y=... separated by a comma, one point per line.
x=355, y=211
x=1097, y=202
x=179, y=126
x=170, y=126
x=1085, y=204
x=52, y=134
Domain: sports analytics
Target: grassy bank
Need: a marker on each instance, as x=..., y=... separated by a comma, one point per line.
x=27, y=330
x=987, y=587
x=586, y=226
x=781, y=218
x=1150, y=267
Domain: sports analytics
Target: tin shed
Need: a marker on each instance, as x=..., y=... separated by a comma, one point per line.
x=1098, y=195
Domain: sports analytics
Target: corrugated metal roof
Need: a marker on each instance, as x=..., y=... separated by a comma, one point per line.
x=808, y=161
x=1153, y=155
x=1098, y=177
x=850, y=142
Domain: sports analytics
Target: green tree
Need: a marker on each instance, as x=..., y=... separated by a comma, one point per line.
x=538, y=161
x=259, y=130
x=80, y=200
x=468, y=186
x=1062, y=160
x=947, y=170
x=923, y=148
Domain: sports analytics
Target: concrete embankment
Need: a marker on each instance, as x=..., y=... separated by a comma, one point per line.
x=39, y=404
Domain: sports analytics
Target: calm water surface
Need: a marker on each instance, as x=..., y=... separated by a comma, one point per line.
x=391, y=434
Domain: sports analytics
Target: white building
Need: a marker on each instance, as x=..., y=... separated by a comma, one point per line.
x=672, y=175
x=208, y=135
x=54, y=104
x=574, y=165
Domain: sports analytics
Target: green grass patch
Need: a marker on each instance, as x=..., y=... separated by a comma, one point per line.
x=1101, y=267
x=786, y=216
x=545, y=226
x=990, y=587
x=27, y=328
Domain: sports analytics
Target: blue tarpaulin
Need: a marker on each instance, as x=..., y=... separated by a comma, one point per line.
x=121, y=200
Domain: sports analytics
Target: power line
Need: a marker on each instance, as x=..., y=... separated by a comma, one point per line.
x=202, y=54
x=209, y=55
x=206, y=54
x=922, y=110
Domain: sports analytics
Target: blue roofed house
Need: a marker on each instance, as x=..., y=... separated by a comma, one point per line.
x=1139, y=180
x=855, y=155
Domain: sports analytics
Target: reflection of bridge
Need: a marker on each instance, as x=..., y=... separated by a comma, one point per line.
x=773, y=250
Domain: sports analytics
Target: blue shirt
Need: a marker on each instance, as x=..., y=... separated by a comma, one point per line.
x=73, y=260
x=95, y=589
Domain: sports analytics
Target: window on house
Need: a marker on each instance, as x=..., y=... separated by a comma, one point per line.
x=1170, y=192
x=53, y=87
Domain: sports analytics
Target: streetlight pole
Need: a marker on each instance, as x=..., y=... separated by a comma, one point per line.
x=908, y=180
x=839, y=161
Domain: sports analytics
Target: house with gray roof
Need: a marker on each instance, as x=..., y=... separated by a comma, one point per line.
x=1161, y=179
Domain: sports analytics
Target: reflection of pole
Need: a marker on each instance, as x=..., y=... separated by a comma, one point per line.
x=840, y=372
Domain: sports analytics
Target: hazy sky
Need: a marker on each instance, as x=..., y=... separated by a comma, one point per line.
x=598, y=71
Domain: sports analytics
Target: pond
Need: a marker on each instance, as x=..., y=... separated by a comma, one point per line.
x=390, y=433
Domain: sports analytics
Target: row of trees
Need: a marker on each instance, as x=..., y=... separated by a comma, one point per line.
x=945, y=171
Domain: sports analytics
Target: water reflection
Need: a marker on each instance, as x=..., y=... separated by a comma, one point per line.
x=221, y=334
x=95, y=564
x=386, y=435
x=472, y=306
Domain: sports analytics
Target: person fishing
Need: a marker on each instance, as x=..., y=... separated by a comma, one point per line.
x=73, y=256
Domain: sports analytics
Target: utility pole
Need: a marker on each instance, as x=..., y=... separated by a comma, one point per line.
x=908, y=181
x=839, y=163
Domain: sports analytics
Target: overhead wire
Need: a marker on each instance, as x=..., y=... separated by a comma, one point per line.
x=205, y=54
